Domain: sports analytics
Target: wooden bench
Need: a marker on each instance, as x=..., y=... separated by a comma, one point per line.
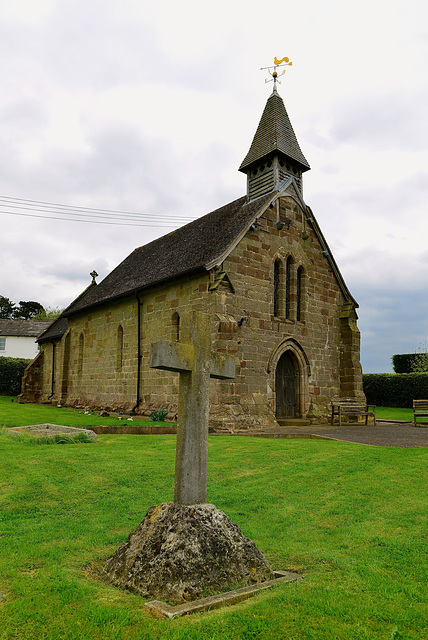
x=420, y=410
x=352, y=408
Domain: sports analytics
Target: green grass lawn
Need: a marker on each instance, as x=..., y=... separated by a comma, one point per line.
x=14, y=414
x=394, y=413
x=351, y=518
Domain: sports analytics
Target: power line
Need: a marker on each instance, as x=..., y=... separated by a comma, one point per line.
x=157, y=223
x=55, y=211
x=50, y=205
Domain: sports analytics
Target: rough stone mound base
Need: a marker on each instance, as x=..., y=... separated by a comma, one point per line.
x=180, y=553
x=50, y=430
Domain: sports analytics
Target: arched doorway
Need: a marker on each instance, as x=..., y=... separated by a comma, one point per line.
x=287, y=386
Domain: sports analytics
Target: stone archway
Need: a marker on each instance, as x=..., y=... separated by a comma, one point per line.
x=289, y=371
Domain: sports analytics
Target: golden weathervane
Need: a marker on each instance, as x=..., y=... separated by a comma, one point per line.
x=277, y=64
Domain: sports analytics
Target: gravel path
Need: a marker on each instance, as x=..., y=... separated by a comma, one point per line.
x=384, y=434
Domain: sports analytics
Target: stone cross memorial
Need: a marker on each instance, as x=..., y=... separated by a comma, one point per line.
x=193, y=359
x=183, y=548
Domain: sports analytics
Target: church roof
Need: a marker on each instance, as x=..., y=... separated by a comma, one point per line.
x=197, y=246
x=188, y=249
x=274, y=134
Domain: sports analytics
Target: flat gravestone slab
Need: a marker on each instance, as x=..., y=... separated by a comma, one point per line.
x=51, y=430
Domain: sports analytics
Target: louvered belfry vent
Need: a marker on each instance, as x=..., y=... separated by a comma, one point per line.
x=261, y=183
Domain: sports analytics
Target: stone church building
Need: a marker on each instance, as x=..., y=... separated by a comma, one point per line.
x=260, y=267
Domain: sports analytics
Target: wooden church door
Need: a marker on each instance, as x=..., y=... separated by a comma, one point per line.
x=286, y=386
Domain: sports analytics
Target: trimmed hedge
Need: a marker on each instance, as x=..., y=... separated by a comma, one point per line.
x=11, y=372
x=395, y=389
x=410, y=362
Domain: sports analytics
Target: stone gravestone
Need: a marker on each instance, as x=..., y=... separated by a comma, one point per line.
x=184, y=549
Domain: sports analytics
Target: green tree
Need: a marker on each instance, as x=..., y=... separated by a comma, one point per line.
x=7, y=307
x=48, y=314
x=27, y=310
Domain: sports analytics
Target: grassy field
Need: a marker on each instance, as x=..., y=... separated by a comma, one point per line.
x=13, y=414
x=351, y=518
x=394, y=413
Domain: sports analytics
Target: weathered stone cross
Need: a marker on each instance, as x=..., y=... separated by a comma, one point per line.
x=196, y=363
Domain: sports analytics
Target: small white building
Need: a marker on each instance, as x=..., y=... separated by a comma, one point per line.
x=18, y=338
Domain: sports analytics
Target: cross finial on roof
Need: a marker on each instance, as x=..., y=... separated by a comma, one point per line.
x=285, y=62
x=94, y=275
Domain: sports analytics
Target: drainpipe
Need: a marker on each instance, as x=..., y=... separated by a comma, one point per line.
x=53, y=370
x=138, y=353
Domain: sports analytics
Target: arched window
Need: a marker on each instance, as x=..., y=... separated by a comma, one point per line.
x=119, y=347
x=288, y=287
x=175, y=321
x=276, y=287
x=80, y=354
x=299, y=294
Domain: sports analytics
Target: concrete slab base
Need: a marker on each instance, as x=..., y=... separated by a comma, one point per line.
x=162, y=610
x=49, y=430
x=129, y=428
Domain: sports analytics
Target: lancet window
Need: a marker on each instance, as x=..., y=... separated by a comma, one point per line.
x=80, y=353
x=119, y=360
x=299, y=294
x=175, y=321
x=288, y=265
x=276, y=287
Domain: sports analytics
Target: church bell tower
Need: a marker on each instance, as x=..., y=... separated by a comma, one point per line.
x=275, y=154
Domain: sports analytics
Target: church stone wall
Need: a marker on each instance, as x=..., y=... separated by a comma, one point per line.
x=162, y=312
x=324, y=341
x=102, y=362
x=94, y=362
x=39, y=377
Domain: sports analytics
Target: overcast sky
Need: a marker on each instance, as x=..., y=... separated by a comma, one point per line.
x=150, y=107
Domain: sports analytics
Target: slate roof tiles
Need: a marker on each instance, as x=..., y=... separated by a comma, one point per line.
x=22, y=328
x=183, y=251
x=274, y=133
